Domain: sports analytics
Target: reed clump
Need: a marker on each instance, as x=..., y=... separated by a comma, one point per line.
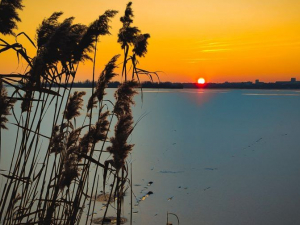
x=52, y=177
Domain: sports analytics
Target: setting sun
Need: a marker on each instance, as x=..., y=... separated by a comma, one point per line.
x=201, y=81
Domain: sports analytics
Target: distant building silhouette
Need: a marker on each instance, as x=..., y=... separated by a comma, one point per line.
x=293, y=81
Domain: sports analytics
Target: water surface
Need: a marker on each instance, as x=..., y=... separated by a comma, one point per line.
x=214, y=156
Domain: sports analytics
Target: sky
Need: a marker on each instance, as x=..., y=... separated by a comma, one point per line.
x=219, y=40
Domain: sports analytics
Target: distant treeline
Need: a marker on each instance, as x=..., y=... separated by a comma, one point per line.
x=148, y=84
x=226, y=85
x=245, y=85
x=249, y=85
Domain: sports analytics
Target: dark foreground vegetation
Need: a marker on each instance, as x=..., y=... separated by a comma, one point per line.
x=50, y=179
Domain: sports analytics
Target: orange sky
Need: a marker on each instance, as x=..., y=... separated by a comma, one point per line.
x=220, y=40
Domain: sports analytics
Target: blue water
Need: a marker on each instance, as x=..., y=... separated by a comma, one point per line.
x=215, y=157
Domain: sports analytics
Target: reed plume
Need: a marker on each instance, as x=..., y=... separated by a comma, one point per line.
x=74, y=105
x=85, y=143
x=5, y=105
x=70, y=151
x=70, y=171
x=131, y=36
x=100, y=128
x=56, y=144
x=127, y=33
x=92, y=103
x=57, y=41
x=119, y=148
x=47, y=28
x=95, y=29
x=105, y=77
x=124, y=96
x=9, y=16
x=26, y=103
x=141, y=44
x=73, y=137
x=95, y=134
x=70, y=161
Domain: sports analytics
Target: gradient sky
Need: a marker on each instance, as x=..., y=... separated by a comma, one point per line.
x=220, y=40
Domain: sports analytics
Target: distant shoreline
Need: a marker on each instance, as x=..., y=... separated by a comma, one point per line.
x=227, y=85
x=169, y=85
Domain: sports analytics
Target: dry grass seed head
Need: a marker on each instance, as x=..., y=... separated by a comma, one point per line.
x=98, y=27
x=101, y=128
x=127, y=33
x=141, y=44
x=124, y=126
x=92, y=103
x=105, y=77
x=68, y=175
x=119, y=148
x=9, y=16
x=70, y=169
x=73, y=137
x=56, y=143
x=5, y=105
x=85, y=142
x=58, y=41
x=74, y=105
x=26, y=103
x=124, y=96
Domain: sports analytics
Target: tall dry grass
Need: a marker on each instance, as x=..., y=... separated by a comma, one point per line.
x=49, y=180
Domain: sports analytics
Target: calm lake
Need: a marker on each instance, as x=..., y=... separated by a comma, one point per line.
x=215, y=157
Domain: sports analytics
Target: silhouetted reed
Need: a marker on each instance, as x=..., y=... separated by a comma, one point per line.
x=104, y=78
x=52, y=186
x=5, y=105
x=74, y=105
x=9, y=16
x=127, y=35
x=95, y=29
x=140, y=44
x=124, y=96
x=56, y=144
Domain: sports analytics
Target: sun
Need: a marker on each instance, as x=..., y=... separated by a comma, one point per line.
x=201, y=81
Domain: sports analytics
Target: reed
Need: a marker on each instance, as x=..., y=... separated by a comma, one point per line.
x=9, y=15
x=6, y=104
x=51, y=178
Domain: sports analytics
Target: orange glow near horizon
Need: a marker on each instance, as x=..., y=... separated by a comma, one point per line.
x=237, y=40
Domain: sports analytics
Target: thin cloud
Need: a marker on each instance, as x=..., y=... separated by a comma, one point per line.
x=216, y=50
x=240, y=45
x=202, y=41
x=196, y=60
